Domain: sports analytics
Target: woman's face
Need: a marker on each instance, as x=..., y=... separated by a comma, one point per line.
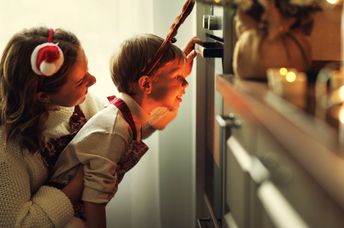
x=74, y=91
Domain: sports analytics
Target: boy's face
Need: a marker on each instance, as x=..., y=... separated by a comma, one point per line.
x=169, y=84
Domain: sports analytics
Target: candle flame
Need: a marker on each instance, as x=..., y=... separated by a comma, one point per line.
x=290, y=77
x=283, y=71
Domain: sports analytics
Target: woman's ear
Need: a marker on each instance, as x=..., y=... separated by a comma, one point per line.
x=145, y=84
x=42, y=97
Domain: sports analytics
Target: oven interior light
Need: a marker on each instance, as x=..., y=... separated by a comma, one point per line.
x=217, y=1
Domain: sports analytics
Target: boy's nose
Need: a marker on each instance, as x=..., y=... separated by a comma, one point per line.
x=185, y=83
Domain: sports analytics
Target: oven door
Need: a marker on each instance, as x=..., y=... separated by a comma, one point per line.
x=211, y=129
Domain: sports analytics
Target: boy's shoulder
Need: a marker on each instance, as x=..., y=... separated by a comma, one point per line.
x=108, y=121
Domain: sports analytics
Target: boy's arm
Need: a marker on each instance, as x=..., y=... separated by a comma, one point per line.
x=95, y=215
x=190, y=54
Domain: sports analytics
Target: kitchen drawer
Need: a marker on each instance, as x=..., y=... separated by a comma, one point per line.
x=274, y=210
x=306, y=197
x=244, y=174
x=238, y=182
x=244, y=131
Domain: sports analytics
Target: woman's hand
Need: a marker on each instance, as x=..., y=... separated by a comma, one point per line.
x=161, y=117
x=73, y=189
x=190, y=54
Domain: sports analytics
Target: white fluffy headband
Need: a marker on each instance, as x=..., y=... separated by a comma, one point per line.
x=47, y=58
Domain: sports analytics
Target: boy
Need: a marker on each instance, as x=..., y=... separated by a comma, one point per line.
x=110, y=143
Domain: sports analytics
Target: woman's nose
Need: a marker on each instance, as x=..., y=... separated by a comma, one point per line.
x=90, y=80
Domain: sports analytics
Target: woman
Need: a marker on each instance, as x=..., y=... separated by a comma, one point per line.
x=44, y=81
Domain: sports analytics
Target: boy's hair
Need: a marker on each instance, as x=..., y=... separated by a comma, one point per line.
x=22, y=114
x=135, y=55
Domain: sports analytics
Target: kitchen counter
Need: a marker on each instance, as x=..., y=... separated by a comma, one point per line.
x=311, y=141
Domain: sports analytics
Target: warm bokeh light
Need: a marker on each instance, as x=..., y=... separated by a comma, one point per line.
x=333, y=1
x=341, y=93
x=290, y=77
x=283, y=71
x=341, y=114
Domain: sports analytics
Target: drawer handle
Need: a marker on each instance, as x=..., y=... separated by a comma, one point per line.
x=229, y=120
x=240, y=154
x=278, y=208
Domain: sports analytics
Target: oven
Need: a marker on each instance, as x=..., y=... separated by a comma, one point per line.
x=215, y=28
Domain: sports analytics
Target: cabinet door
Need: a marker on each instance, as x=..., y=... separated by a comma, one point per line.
x=275, y=209
x=304, y=195
x=238, y=182
x=243, y=130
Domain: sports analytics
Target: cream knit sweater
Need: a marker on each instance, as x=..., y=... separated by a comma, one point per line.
x=24, y=199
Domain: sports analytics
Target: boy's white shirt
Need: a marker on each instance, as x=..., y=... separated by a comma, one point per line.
x=99, y=145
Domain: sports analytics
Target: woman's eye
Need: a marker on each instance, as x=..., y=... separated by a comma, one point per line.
x=81, y=81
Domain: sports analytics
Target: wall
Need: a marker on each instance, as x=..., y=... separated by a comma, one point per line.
x=159, y=191
x=325, y=37
x=176, y=142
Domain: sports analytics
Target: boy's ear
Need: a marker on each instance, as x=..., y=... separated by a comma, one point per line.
x=145, y=84
x=42, y=97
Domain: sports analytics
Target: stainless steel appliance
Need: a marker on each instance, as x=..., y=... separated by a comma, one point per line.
x=215, y=28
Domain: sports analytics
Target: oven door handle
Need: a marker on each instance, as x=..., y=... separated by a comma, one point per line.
x=209, y=49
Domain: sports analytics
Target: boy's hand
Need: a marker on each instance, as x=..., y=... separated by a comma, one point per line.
x=190, y=54
x=95, y=215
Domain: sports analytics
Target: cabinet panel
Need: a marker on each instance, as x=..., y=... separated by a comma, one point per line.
x=244, y=175
x=238, y=182
x=244, y=131
x=305, y=196
x=276, y=210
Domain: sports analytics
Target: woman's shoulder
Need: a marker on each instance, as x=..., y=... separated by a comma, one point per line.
x=108, y=121
x=10, y=152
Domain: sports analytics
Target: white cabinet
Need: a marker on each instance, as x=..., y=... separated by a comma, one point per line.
x=302, y=200
x=277, y=173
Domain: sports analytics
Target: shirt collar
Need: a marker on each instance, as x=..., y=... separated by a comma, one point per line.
x=139, y=115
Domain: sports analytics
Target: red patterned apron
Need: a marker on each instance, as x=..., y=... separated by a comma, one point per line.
x=137, y=148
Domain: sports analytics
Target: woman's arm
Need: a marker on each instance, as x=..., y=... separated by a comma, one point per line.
x=23, y=206
x=158, y=120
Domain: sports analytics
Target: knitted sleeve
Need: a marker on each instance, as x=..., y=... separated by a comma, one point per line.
x=93, y=104
x=19, y=206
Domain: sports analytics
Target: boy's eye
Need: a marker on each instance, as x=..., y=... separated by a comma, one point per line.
x=180, y=78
